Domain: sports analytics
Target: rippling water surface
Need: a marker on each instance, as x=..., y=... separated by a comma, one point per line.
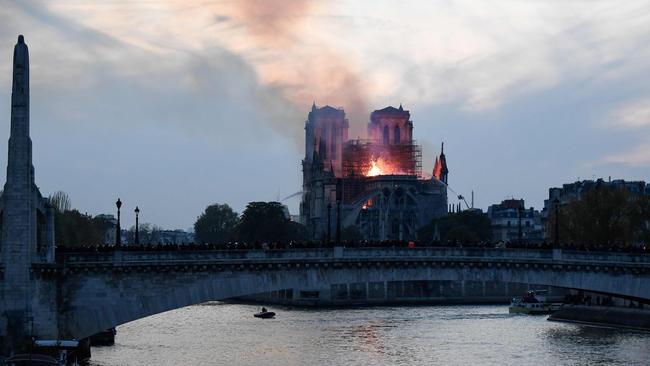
x=227, y=334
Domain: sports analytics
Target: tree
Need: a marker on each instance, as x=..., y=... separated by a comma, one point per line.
x=216, y=224
x=297, y=231
x=462, y=234
x=268, y=221
x=464, y=226
x=641, y=219
x=148, y=234
x=60, y=201
x=72, y=229
x=103, y=225
x=603, y=216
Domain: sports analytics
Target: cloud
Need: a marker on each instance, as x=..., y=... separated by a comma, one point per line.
x=478, y=56
x=200, y=90
x=632, y=115
x=284, y=72
x=148, y=121
x=493, y=56
x=638, y=156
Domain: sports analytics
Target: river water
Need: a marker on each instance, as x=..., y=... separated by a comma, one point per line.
x=227, y=334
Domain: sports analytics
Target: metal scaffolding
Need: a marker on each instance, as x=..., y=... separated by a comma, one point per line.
x=358, y=157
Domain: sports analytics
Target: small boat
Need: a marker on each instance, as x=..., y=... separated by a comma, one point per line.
x=264, y=314
x=532, y=303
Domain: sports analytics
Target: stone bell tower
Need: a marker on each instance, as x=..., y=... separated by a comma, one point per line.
x=27, y=220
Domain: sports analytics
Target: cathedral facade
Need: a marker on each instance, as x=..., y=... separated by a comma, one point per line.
x=374, y=185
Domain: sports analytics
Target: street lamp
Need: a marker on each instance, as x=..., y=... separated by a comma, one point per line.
x=118, y=229
x=556, y=242
x=137, y=231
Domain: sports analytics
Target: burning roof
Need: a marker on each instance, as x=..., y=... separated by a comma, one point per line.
x=368, y=159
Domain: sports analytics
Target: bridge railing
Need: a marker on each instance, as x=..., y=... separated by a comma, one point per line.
x=605, y=256
x=119, y=256
x=345, y=253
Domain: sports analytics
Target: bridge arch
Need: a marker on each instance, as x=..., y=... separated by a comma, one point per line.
x=102, y=298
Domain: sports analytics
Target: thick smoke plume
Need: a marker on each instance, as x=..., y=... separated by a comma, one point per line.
x=273, y=21
x=263, y=53
x=305, y=73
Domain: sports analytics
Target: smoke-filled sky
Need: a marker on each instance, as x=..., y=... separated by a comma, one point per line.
x=173, y=105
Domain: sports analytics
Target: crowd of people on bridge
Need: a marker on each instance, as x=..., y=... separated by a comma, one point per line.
x=524, y=245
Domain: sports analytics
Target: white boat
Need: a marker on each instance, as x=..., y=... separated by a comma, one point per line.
x=533, y=302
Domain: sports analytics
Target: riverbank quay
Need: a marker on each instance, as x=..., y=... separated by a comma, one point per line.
x=395, y=293
x=604, y=316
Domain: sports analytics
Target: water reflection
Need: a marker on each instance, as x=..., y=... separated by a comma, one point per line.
x=227, y=334
x=601, y=346
x=593, y=336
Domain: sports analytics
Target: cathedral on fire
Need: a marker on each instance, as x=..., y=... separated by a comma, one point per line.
x=375, y=185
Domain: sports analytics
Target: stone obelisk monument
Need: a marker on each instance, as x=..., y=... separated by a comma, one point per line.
x=27, y=220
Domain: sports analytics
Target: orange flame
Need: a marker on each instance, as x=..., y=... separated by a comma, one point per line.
x=380, y=166
x=375, y=170
x=367, y=204
x=437, y=169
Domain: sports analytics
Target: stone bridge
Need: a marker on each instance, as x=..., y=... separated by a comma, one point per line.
x=84, y=293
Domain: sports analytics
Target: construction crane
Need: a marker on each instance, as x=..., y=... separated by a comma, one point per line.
x=460, y=197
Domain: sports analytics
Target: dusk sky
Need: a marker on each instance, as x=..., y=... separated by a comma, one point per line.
x=174, y=105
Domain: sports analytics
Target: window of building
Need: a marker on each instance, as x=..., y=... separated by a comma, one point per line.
x=396, y=135
x=386, y=135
